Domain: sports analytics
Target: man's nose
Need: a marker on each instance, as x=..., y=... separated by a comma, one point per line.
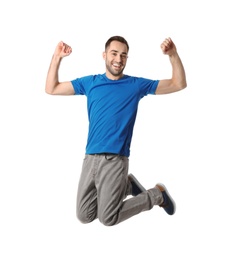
x=118, y=58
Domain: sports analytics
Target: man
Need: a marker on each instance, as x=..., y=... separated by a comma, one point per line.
x=112, y=101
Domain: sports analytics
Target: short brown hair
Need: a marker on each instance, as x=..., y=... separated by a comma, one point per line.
x=116, y=38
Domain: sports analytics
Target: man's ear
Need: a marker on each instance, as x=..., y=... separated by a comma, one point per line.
x=104, y=55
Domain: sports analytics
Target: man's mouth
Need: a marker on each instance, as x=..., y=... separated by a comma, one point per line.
x=116, y=65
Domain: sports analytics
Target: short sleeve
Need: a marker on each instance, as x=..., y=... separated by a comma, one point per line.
x=147, y=86
x=81, y=85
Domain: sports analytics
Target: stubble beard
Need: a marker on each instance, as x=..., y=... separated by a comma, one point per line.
x=113, y=72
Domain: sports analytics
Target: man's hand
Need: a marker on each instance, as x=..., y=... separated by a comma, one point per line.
x=168, y=47
x=62, y=50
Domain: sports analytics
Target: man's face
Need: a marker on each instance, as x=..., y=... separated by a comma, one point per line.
x=115, y=59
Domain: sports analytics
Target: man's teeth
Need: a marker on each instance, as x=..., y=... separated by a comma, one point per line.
x=116, y=65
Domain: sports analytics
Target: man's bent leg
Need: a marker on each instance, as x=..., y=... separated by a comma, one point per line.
x=143, y=202
x=112, y=184
x=87, y=193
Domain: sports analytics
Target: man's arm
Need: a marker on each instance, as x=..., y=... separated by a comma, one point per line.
x=53, y=86
x=178, y=80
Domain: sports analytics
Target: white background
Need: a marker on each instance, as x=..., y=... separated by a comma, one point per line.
x=185, y=140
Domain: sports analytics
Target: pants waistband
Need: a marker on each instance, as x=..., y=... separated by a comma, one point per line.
x=103, y=154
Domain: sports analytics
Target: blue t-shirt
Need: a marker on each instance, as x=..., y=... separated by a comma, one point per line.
x=112, y=107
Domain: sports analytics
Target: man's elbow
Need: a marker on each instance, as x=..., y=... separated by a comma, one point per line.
x=183, y=85
x=180, y=85
x=49, y=90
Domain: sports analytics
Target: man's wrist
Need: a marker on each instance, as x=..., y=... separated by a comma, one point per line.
x=56, y=58
x=174, y=56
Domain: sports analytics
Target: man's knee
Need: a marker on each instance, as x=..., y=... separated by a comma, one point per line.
x=108, y=220
x=85, y=218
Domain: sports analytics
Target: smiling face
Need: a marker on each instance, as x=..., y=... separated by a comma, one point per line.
x=115, y=57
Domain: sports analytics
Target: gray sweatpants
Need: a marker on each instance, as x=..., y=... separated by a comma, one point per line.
x=103, y=187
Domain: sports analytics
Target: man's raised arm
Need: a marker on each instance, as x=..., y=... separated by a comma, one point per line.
x=178, y=80
x=53, y=86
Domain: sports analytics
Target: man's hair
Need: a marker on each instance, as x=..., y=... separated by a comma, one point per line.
x=116, y=38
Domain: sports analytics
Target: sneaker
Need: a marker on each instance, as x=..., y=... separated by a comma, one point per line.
x=168, y=203
x=137, y=188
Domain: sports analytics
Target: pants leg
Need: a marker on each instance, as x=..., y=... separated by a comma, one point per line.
x=87, y=193
x=112, y=187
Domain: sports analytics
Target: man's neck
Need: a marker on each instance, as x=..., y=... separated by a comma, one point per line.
x=112, y=77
